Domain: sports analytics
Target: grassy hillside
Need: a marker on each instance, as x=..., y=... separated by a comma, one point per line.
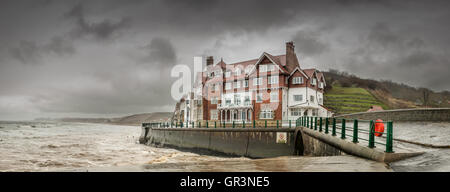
x=342, y=100
x=346, y=93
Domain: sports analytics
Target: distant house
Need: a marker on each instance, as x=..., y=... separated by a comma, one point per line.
x=375, y=108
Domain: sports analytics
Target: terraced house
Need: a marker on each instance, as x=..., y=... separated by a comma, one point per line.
x=267, y=88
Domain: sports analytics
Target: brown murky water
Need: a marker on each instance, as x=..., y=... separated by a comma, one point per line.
x=31, y=146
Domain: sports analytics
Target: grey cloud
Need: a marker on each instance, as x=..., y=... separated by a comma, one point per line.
x=103, y=30
x=161, y=52
x=29, y=52
x=308, y=43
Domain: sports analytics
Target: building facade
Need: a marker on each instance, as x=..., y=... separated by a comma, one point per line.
x=266, y=88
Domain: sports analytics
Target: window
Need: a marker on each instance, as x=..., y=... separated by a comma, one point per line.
x=237, y=71
x=296, y=112
x=247, y=100
x=266, y=114
x=262, y=68
x=321, y=85
x=227, y=73
x=198, y=101
x=187, y=102
x=217, y=87
x=217, y=73
x=227, y=86
x=313, y=81
x=298, y=97
x=297, y=80
x=257, y=81
x=213, y=87
x=272, y=79
x=237, y=99
x=246, y=83
x=228, y=101
x=259, y=97
x=214, y=114
x=312, y=99
x=237, y=84
x=274, y=96
x=214, y=100
x=320, y=100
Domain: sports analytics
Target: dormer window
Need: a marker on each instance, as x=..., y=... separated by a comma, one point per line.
x=321, y=85
x=262, y=68
x=297, y=80
x=313, y=81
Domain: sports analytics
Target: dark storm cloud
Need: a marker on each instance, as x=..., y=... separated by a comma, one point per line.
x=112, y=56
x=309, y=44
x=103, y=30
x=29, y=52
x=160, y=52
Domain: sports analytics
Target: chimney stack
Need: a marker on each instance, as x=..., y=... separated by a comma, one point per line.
x=290, y=49
x=209, y=60
x=291, y=58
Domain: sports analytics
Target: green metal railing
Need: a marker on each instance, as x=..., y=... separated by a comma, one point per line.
x=359, y=129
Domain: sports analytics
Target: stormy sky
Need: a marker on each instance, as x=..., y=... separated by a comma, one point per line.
x=112, y=58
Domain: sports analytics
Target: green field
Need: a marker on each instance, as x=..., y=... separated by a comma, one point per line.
x=342, y=100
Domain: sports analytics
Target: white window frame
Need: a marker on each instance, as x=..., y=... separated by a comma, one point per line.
x=272, y=96
x=259, y=95
x=273, y=79
x=266, y=114
x=227, y=74
x=228, y=86
x=237, y=84
x=313, y=81
x=296, y=112
x=297, y=80
x=237, y=71
x=262, y=68
x=257, y=81
x=321, y=85
x=214, y=100
x=246, y=83
x=312, y=98
x=301, y=97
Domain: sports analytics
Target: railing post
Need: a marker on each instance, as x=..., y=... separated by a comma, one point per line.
x=320, y=125
x=311, y=126
x=326, y=125
x=307, y=122
x=389, y=138
x=371, y=135
x=343, y=129
x=315, y=123
x=355, y=131
x=333, y=132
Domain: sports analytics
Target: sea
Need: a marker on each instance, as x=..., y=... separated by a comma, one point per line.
x=63, y=146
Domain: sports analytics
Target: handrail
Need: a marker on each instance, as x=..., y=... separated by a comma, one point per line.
x=333, y=126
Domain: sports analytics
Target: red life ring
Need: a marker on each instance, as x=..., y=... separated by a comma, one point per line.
x=379, y=127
